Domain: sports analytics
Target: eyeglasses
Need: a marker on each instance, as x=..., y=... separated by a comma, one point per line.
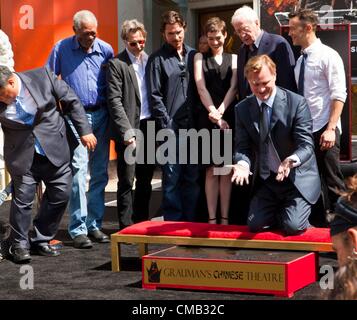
x=134, y=43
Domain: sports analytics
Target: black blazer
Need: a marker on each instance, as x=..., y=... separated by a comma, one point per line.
x=123, y=97
x=48, y=126
x=290, y=132
x=279, y=50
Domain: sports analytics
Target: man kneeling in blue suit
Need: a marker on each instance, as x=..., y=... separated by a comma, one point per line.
x=274, y=136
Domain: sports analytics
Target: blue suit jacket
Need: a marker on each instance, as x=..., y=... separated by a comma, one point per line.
x=290, y=132
x=279, y=50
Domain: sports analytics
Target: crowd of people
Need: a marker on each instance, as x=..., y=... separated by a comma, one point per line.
x=283, y=117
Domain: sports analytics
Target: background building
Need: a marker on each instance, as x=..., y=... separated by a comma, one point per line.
x=34, y=26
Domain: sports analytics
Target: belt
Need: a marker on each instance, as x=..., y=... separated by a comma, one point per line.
x=92, y=107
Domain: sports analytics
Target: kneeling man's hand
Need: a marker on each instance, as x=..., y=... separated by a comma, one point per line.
x=284, y=169
x=241, y=174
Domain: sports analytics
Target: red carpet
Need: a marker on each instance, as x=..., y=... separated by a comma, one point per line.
x=206, y=230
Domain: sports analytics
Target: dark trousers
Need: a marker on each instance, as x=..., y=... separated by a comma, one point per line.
x=133, y=207
x=58, y=181
x=328, y=162
x=278, y=205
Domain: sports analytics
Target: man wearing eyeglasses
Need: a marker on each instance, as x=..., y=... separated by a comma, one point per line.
x=172, y=97
x=129, y=109
x=256, y=41
x=81, y=61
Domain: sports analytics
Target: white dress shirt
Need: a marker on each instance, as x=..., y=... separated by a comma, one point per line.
x=269, y=102
x=139, y=67
x=324, y=81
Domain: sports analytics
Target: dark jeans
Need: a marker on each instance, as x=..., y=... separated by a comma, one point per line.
x=180, y=189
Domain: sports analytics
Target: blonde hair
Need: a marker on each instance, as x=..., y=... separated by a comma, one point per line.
x=255, y=64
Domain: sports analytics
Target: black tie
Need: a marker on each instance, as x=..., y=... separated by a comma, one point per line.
x=302, y=75
x=252, y=51
x=264, y=123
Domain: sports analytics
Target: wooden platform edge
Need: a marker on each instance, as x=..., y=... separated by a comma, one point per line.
x=143, y=241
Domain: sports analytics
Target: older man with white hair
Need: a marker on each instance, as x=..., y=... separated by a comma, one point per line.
x=81, y=61
x=256, y=41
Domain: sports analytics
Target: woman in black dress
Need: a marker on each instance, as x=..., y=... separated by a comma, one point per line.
x=216, y=79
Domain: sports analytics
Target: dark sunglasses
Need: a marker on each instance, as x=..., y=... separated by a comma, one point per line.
x=134, y=43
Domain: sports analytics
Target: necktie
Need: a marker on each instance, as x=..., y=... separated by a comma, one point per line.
x=28, y=119
x=251, y=51
x=264, y=122
x=302, y=75
x=25, y=117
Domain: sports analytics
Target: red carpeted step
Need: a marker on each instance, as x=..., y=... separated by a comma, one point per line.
x=206, y=230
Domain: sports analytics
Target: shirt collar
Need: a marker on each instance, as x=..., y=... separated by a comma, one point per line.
x=172, y=50
x=143, y=57
x=77, y=46
x=270, y=101
x=259, y=39
x=21, y=93
x=312, y=46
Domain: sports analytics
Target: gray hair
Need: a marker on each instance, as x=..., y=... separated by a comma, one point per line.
x=83, y=16
x=5, y=75
x=132, y=26
x=245, y=13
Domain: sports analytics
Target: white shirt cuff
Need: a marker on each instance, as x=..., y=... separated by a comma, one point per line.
x=296, y=160
x=243, y=163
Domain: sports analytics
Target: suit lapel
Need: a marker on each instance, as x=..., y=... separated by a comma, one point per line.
x=264, y=44
x=125, y=57
x=254, y=111
x=279, y=107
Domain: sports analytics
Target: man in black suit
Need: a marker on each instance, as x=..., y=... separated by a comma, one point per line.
x=274, y=129
x=36, y=149
x=129, y=109
x=255, y=42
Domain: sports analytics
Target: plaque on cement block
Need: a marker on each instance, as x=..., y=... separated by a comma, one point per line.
x=279, y=273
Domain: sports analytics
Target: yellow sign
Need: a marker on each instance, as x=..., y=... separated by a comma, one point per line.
x=225, y=274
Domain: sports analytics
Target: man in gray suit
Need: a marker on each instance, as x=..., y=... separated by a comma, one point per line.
x=129, y=109
x=36, y=149
x=274, y=129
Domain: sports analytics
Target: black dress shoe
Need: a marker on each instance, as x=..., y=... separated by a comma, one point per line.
x=45, y=250
x=20, y=255
x=82, y=242
x=98, y=236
